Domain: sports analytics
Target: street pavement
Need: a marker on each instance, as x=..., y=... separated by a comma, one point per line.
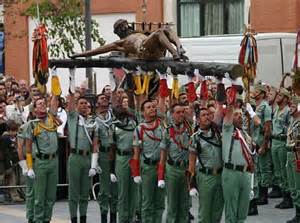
x=16, y=213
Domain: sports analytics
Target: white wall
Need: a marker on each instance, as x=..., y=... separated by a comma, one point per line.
x=105, y=22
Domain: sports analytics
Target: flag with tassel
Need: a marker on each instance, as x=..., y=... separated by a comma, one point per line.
x=40, y=57
x=248, y=57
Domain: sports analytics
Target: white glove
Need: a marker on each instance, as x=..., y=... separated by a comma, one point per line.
x=92, y=172
x=193, y=192
x=137, y=179
x=94, y=165
x=31, y=174
x=23, y=165
x=249, y=109
x=237, y=81
x=161, y=184
x=113, y=178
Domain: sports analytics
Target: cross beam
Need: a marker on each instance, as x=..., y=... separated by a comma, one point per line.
x=177, y=67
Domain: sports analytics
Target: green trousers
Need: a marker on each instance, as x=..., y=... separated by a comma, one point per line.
x=279, y=152
x=45, y=183
x=236, y=192
x=177, y=195
x=79, y=184
x=211, y=202
x=293, y=178
x=108, y=191
x=29, y=199
x=153, y=198
x=127, y=190
x=264, y=169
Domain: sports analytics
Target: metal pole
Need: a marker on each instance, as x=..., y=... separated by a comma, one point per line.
x=88, y=42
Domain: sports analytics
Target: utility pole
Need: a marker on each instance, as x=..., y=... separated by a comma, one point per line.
x=88, y=42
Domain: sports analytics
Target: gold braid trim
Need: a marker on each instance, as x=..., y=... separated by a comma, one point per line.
x=51, y=125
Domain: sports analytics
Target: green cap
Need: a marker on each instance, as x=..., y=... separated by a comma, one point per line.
x=260, y=87
x=285, y=92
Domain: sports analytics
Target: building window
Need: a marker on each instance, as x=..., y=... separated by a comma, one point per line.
x=209, y=17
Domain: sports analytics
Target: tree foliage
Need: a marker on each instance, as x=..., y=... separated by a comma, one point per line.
x=65, y=22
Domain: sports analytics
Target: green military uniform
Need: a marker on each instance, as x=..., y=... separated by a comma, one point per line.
x=79, y=163
x=209, y=151
x=107, y=197
x=280, y=123
x=293, y=175
x=29, y=181
x=176, y=141
x=46, y=170
x=127, y=189
x=153, y=198
x=235, y=178
x=264, y=167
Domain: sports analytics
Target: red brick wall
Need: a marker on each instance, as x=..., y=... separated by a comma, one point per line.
x=275, y=15
x=16, y=44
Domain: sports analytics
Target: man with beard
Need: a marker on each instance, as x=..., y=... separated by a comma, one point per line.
x=176, y=141
x=280, y=124
x=42, y=142
x=206, y=146
x=123, y=130
x=81, y=165
x=139, y=45
x=107, y=197
x=261, y=136
x=147, y=147
x=293, y=157
x=238, y=164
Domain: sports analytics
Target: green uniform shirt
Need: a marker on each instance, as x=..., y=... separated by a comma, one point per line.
x=150, y=147
x=46, y=141
x=104, y=130
x=83, y=142
x=208, y=147
x=236, y=154
x=177, y=148
x=123, y=134
x=280, y=121
x=264, y=112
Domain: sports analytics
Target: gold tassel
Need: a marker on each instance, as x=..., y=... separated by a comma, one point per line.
x=138, y=84
x=175, y=88
x=55, y=85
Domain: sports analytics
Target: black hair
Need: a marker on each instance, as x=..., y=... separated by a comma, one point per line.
x=103, y=89
x=35, y=101
x=145, y=102
x=12, y=125
x=199, y=111
x=175, y=105
x=101, y=94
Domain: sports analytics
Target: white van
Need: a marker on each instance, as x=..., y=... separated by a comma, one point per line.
x=275, y=52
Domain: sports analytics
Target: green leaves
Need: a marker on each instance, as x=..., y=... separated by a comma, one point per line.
x=65, y=23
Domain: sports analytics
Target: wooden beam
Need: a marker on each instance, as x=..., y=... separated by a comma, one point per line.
x=177, y=67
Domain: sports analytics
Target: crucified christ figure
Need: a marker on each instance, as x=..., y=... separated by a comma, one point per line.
x=138, y=45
